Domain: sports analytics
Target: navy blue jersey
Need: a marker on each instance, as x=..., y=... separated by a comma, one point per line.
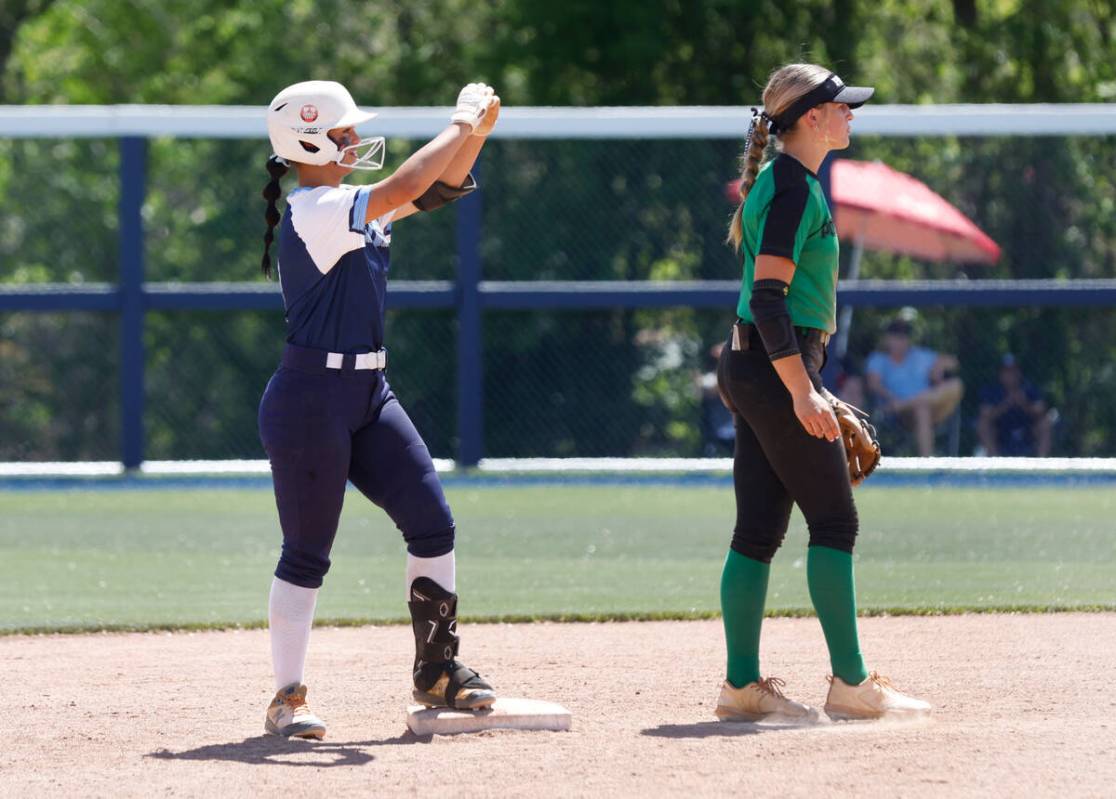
x=333, y=269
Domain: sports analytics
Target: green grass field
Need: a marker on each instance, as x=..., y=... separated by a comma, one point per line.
x=154, y=557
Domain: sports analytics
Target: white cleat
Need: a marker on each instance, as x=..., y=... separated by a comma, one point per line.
x=758, y=700
x=874, y=698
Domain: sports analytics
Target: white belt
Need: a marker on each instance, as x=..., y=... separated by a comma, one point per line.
x=364, y=360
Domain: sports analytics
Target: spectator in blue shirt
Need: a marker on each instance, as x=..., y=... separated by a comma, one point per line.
x=1014, y=418
x=913, y=383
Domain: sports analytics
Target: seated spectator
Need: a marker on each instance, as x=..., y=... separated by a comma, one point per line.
x=1014, y=419
x=718, y=432
x=913, y=384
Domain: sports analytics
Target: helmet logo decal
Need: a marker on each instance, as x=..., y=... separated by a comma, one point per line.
x=308, y=113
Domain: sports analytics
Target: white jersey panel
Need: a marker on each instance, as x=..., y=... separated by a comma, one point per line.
x=324, y=218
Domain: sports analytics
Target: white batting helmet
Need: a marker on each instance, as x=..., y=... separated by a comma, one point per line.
x=300, y=115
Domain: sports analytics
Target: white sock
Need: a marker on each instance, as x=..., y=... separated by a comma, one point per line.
x=290, y=613
x=441, y=570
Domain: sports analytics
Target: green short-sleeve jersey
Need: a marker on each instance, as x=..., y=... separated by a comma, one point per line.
x=786, y=215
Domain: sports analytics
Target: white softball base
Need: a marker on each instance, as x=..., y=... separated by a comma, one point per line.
x=505, y=713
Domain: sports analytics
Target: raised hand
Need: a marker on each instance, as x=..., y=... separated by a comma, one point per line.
x=489, y=121
x=472, y=103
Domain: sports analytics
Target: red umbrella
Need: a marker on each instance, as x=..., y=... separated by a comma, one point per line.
x=880, y=208
x=894, y=212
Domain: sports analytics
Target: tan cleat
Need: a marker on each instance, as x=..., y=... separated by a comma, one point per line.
x=874, y=698
x=758, y=700
x=290, y=716
x=460, y=688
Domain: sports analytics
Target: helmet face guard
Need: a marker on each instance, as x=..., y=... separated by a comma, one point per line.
x=371, y=158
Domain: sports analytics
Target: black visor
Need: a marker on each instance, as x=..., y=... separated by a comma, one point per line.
x=831, y=90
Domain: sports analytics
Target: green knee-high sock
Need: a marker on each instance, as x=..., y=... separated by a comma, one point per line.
x=829, y=574
x=743, y=593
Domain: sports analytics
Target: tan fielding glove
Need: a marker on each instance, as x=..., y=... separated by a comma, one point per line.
x=861, y=448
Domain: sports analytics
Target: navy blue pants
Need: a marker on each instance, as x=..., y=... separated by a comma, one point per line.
x=321, y=428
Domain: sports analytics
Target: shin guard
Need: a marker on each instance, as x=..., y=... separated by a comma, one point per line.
x=440, y=680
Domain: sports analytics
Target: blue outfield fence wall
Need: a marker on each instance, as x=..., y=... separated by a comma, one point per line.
x=472, y=302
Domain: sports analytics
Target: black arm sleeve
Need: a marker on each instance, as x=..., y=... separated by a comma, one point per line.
x=442, y=193
x=771, y=317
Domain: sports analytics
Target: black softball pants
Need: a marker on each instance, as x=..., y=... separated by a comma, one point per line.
x=776, y=463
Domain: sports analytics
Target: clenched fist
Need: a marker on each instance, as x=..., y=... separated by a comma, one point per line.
x=472, y=103
x=489, y=121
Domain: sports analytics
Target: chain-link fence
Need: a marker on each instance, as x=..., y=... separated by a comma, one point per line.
x=558, y=384
x=206, y=372
x=58, y=210
x=555, y=382
x=644, y=385
x=59, y=397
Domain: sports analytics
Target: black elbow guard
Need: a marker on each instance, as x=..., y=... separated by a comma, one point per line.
x=442, y=193
x=771, y=317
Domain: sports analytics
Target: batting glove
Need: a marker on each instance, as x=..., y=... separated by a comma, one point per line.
x=472, y=103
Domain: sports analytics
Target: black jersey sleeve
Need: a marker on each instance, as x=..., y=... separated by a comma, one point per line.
x=782, y=230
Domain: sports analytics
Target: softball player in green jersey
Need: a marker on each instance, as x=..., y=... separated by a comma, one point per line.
x=788, y=447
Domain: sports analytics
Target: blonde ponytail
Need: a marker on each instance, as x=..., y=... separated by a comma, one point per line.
x=785, y=85
x=750, y=163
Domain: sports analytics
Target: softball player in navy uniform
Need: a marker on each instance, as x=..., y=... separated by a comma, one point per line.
x=788, y=448
x=328, y=415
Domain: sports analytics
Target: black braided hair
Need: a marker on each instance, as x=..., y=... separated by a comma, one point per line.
x=277, y=168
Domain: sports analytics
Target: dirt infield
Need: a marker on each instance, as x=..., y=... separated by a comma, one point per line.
x=1023, y=705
